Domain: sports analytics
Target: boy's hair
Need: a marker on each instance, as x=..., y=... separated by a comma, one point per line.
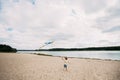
x=66, y=58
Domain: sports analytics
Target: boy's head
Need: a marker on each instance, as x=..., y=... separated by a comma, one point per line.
x=66, y=58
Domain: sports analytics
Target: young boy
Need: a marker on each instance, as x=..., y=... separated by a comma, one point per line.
x=65, y=59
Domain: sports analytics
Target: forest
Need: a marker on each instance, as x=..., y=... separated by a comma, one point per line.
x=112, y=48
x=7, y=48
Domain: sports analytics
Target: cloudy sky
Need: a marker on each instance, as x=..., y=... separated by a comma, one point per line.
x=28, y=24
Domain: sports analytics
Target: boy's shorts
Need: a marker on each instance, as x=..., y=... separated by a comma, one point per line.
x=65, y=65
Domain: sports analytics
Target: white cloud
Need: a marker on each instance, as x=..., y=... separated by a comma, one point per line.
x=27, y=24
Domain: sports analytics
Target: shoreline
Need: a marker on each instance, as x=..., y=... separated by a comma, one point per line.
x=42, y=54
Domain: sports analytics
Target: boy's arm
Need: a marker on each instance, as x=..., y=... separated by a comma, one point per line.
x=62, y=58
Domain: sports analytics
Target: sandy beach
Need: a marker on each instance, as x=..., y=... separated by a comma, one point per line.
x=15, y=66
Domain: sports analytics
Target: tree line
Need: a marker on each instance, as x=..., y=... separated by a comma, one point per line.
x=112, y=48
x=7, y=48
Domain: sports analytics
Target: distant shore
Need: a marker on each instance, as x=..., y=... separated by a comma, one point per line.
x=15, y=66
x=107, y=48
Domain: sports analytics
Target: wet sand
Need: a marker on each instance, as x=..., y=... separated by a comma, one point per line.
x=15, y=66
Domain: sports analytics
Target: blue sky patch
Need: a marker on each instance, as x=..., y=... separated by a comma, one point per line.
x=117, y=28
x=0, y=6
x=33, y=1
x=9, y=29
x=15, y=0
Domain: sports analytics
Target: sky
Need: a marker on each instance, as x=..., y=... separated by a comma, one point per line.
x=29, y=24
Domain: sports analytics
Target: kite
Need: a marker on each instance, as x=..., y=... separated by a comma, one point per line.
x=46, y=43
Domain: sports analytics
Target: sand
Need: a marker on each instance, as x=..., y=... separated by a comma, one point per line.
x=15, y=66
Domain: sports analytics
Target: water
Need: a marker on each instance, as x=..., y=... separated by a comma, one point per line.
x=114, y=55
